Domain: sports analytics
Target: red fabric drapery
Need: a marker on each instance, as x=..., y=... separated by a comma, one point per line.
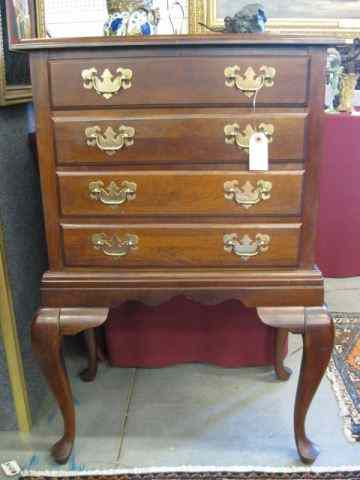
x=338, y=250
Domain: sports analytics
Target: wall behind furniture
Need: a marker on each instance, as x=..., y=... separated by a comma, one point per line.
x=7, y=412
x=22, y=222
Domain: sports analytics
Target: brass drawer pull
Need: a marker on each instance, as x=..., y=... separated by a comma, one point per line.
x=107, y=84
x=249, y=83
x=247, y=195
x=114, y=195
x=244, y=247
x=234, y=135
x=115, y=246
x=110, y=141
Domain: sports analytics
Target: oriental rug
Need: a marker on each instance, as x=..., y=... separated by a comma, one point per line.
x=344, y=371
x=207, y=473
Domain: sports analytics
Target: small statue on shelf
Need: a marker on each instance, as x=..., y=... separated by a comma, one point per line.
x=250, y=19
x=349, y=79
x=334, y=71
x=347, y=91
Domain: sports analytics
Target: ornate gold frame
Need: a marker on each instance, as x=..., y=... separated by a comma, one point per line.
x=8, y=332
x=205, y=11
x=40, y=18
x=10, y=95
x=197, y=13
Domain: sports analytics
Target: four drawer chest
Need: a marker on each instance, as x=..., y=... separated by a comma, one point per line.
x=144, y=157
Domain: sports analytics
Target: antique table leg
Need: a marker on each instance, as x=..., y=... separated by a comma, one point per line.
x=282, y=372
x=48, y=328
x=89, y=373
x=318, y=341
x=316, y=326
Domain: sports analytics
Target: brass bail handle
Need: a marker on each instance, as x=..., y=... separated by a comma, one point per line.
x=113, y=195
x=110, y=141
x=245, y=247
x=107, y=84
x=115, y=246
x=247, y=196
x=249, y=82
x=234, y=135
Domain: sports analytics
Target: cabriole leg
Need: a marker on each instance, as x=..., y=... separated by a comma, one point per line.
x=316, y=326
x=89, y=373
x=47, y=346
x=282, y=372
x=48, y=328
x=318, y=344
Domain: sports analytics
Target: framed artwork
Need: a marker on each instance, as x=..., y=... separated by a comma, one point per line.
x=306, y=17
x=20, y=19
x=14, y=67
x=93, y=18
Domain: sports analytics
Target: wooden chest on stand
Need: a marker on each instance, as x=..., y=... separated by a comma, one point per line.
x=144, y=157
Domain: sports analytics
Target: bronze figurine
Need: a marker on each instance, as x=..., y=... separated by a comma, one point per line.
x=350, y=78
x=250, y=19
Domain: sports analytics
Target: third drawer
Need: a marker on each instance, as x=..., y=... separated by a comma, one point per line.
x=162, y=193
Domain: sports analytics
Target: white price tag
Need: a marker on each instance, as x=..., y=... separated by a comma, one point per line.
x=258, y=152
x=11, y=468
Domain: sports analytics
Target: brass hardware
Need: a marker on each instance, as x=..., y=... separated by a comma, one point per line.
x=110, y=141
x=114, y=194
x=244, y=247
x=115, y=246
x=107, y=84
x=234, y=136
x=249, y=83
x=247, y=195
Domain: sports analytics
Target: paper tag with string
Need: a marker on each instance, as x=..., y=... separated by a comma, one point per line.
x=258, y=152
x=258, y=147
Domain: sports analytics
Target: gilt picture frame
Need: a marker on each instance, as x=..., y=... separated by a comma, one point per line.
x=15, y=84
x=296, y=18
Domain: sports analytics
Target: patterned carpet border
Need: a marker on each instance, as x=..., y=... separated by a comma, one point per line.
x=205, y=473
x=342, y=380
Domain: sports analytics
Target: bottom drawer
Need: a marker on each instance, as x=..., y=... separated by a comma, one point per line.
x=134, y=245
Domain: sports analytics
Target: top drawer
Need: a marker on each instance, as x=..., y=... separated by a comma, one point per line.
x=179, y=81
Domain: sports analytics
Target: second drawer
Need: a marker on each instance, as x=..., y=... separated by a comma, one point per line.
x=159, y=193
x=138, y=137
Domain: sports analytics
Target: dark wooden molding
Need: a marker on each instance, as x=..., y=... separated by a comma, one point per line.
x=174, y=40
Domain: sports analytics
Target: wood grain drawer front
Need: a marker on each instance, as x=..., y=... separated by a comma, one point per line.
x=131, y=245
x=140, y=138
x=178, y=81
x=180, y=193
